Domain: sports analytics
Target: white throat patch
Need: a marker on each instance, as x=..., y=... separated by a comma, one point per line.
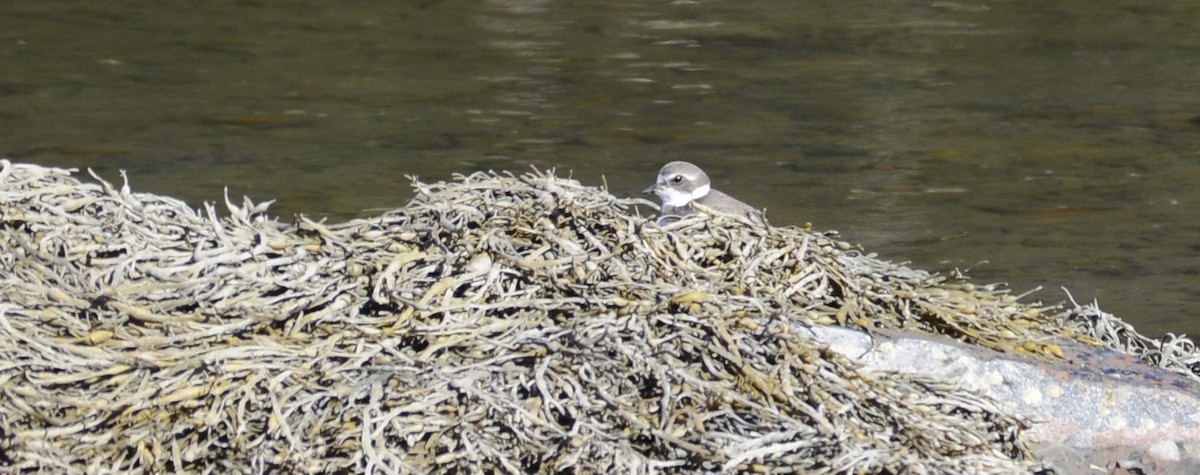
x=677, y=198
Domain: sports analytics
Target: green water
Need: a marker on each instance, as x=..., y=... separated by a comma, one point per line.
x=1059, y=142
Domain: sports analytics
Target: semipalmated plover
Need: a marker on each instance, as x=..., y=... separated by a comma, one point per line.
x=685, y=189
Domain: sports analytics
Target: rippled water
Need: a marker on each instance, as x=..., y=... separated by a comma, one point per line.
x=1059, y=142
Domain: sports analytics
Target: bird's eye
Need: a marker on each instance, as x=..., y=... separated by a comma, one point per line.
x=677, y=179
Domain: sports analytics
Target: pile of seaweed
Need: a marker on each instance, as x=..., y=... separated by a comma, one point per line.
x=495, y=324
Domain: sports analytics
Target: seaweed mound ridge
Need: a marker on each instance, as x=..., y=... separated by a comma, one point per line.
x=495, y=324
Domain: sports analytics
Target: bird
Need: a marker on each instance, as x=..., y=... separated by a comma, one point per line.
x=686, y=190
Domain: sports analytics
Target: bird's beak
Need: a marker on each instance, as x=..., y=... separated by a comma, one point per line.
x=652, y=189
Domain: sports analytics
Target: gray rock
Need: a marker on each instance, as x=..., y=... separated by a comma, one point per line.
x=1097, y=411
